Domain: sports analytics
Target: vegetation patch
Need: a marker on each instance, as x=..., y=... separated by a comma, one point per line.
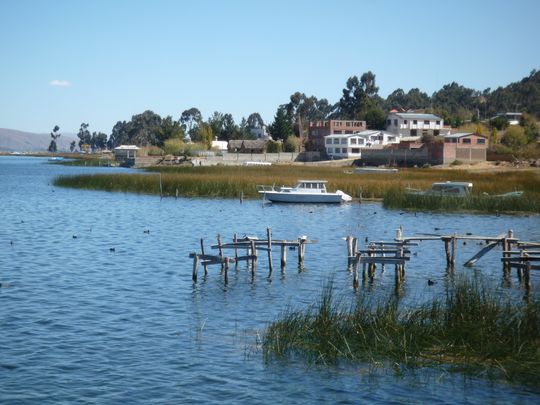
x=471, y=330
x=231, y=181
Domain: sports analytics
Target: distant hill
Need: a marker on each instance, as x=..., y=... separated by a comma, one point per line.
x=12, y=140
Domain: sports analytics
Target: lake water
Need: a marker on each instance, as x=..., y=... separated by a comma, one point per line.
x=80, y=323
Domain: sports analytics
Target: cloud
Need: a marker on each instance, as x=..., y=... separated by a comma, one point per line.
x=60, y=83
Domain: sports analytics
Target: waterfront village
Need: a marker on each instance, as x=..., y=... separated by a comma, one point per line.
x=410, y=139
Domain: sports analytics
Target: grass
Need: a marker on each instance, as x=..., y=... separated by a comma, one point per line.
x=396, y=198
x=471, y=330
x=230, y=182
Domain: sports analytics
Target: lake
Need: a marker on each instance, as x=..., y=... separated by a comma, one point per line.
x=97, y=304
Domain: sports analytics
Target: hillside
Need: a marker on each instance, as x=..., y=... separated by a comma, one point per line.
x=12, y=140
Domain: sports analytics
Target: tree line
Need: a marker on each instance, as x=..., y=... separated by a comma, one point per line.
x=360, y=100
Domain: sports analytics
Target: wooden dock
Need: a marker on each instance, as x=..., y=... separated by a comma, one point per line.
x=521, y=255
x=252, y=246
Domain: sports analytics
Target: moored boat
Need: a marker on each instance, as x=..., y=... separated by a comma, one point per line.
x=305, y=191
x=446, y=189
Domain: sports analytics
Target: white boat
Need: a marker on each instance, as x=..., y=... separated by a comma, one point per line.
x=306, y=191
x=446, y=189
x=375, y=170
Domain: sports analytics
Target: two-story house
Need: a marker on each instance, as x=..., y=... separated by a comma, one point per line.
x=343, y=146
x=319, y=129
x=415, y=124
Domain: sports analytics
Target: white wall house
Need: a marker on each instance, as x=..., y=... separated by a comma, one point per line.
x=342, y=146
x=413, y=124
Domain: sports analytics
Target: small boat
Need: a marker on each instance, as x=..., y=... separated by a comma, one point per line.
x=56, y=159
x=445, y=189
x=374, y=170
x=511, y=194
x=306, y=191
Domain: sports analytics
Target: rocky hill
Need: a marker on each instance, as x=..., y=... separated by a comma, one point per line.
x=12, y=140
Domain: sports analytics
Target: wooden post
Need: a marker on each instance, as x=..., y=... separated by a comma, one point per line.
x=354, y=247
x=447, y=250
x=241, y=197
x=355, y=271
x=195, y=266
x=254, y=259
x=177, y=194
x=283, y=256
x=235, y=240
x=527, y=274
x=348, y=239
x=300, y=251
x=202, y=252
x=454, y=243
x=160, y=186
x=226, y=270
x=269, y=237
x=220, y=250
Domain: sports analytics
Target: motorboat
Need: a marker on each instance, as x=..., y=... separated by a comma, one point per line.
x=445, y=189
x=305, y=191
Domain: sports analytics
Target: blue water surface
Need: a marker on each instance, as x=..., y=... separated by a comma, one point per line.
x=97, y=303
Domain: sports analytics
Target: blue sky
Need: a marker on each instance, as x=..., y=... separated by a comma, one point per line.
x=67, y=62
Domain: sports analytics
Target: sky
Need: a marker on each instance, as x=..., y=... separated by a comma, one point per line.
x=68, y=62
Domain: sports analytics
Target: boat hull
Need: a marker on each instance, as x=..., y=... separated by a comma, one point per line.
x=303, y=198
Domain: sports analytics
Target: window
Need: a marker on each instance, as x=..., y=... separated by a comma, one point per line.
x=426, y=122
x=338, y=132
x=328, y=141
x=353, y=141
x=336, y=141
x=481, y=141
x=344, y=150
x=348, y=124
x=450, y=140
x=415, y=122
x=466, y=140
x=395, y=123
x=355, y=150
x=344, y=141
x=405, y=122
x=348, y=132
x=438, y=122
x=388, y=122
x=413, y=132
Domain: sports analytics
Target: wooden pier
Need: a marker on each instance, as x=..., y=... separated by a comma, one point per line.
x=252, y=246
x=523, y=256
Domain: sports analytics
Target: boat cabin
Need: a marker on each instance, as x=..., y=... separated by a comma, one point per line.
x=311, y=185
x=451, y=188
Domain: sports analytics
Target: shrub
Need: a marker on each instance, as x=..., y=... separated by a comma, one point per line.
x=456, y=163
x=292, y=144
x=174, y=147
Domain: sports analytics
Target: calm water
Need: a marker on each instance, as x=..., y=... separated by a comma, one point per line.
x=80, y=323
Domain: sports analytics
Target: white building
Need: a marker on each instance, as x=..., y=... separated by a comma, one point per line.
x=221, y=146
x=260, y=132
x=342, y=146
x=414, y=124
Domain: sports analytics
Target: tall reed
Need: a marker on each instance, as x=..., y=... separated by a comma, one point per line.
x=471, y=329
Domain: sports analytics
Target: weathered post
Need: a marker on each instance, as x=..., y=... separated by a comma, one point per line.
x=241, y=197
x=254, y=257
x=283, y=256
x=235, y=240
x=447, y=251
x=195, y=266
x=177, y=194
x=269, y=237
x=454, y=244
x=203, y=258
x=527, y=274
x=220, y=250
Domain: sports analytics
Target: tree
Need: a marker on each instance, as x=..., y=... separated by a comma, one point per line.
x=98, y=141
x=255, y=121
x=190, y=119
x=291, y=144
x=72, y=146
x=281, y=128
x=359, y=95
x=54, y=136
x=514, y=137
x=119, y=135
x=229, y=129
x=143, y=130
x=84, y=136
x=169, y=129
x=375, y=118
x=205, y=134
x=532, y=132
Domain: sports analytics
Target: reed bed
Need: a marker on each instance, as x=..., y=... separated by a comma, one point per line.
x=471, y=330
x=231, y=181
